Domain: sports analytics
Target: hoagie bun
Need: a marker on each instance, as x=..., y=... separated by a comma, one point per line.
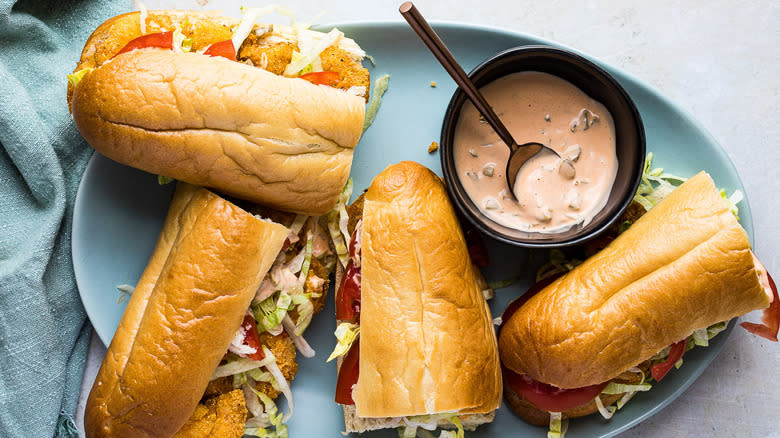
x=685, y=265
x=427, y=343
x=209, y=260
x=236, y=126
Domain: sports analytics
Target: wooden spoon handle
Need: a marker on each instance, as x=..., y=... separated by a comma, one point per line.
x=440, y=51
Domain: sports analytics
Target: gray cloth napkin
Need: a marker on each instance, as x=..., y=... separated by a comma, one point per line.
x=44, y=331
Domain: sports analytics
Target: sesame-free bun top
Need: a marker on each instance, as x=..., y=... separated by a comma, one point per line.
x=684, y=265
x=208, y=262
x=427, y=342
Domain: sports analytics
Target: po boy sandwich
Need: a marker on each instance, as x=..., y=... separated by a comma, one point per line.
x=414, y=328
x=624, y=318
x=209, y=260
x=206, y=343
x=266, y=113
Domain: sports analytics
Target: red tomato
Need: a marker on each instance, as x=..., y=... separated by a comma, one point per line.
x=224, y=49
x=252, y=338
x=659, y=370
x=321, y=77
x=548, y=397
x=162, y=40
x=348, y=296
x=348, y=375
x=476, y=247
x=770, y=319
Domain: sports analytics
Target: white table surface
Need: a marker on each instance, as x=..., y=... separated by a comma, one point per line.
x=717, y=59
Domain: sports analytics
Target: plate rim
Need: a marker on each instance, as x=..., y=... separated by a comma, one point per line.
x=622, y=76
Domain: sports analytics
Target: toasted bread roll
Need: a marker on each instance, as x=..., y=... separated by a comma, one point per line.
x=427, y=343
x=206, y=120
x=684, y=265
x=208, y=262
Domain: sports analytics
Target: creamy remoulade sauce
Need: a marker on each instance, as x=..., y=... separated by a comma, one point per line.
x=553, y=194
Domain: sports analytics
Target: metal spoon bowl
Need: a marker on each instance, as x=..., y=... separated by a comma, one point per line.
x=518, y=154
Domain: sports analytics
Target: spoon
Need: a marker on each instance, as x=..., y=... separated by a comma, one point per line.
x=518, y=154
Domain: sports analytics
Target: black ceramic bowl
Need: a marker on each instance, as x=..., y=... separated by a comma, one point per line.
x=596, y=83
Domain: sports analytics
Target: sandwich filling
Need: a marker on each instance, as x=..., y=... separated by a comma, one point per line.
x=261, y=358
x=321, y=58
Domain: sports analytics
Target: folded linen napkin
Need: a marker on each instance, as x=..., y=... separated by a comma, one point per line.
x=44, y=332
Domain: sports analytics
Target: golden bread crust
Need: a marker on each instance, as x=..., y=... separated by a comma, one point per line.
x=282, y=142
x=420, y=291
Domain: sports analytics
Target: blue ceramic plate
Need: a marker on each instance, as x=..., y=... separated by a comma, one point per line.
x=120, y=210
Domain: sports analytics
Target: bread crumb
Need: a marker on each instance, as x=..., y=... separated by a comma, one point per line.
x=433, y=147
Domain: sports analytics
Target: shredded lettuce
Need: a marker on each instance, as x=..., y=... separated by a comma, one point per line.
x=422, y=433
x=336, y=218
x=178, y=40
x=250, y=17
x=241, y=365
x=142, y=16
x=700, y=337
x=163, y=180
x=125, y=290
x=239, y=379
x=312, y=52
x=732, y=201
x=339, y=244
x=270, y=312
x=407, y=432
x=456, y=421
x=655, y=184
x=271, y=417
x=606, y=412
x=500, y=284
x=716, y=328
x=305, y=313
x=619, y=388
x=346, y=333
x=297, y=224
x=625, y=399
x=558, y=425
x=186, y=45
x=76, y=77
x=380, y=87
x=558, y=263
x=307, y=257
x=262, y=376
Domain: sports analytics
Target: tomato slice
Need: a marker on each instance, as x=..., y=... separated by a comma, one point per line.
x=321, y=77
x=770, y=319
x=224, y=49
x=348, y=297
x=348, y=375
x=476, y=246
x=548, y=397
x=162, y=40
x=252, y=338
x=659, y=370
